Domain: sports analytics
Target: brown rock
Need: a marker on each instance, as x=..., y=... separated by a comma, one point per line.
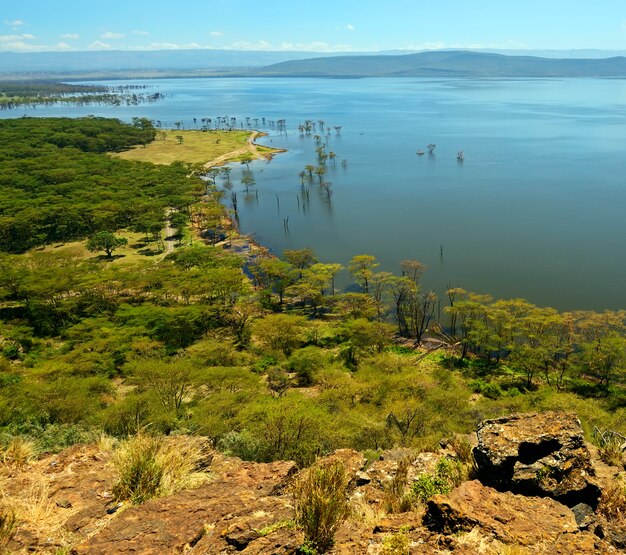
x=537, y=454
x=222, y=516
x=544, y=525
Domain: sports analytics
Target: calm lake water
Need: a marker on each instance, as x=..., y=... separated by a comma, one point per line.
x=535, y=210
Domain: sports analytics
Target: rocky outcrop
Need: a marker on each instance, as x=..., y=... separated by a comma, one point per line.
x=226, y=515
x=537, y=454
x=247, y=507
x=509, y=519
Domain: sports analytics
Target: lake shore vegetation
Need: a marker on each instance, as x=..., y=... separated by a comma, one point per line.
x=261, y=355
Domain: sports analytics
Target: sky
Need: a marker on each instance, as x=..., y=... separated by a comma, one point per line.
x=311, y=25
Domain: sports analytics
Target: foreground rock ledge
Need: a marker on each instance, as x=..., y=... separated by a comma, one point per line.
x=544, y=525
x=537, y=454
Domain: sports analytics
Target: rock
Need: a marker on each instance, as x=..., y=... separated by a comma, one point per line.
x=584, y=515
x=224, y=515
x=537, y=454
x=544, y=525
x=614, y=534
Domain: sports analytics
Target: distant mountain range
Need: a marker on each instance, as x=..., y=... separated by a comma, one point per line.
x=446, y=64
x=228, y=63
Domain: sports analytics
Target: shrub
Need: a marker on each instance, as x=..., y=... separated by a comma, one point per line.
x=242, y=444
x=396, y=544
x=321, y=504
x=304, y=362
x=447, y=475
x=153, y=466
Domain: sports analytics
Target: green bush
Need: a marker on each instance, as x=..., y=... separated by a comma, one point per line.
x=321, y=503
x=304, y=362
x=242, y=444
x=447, y=475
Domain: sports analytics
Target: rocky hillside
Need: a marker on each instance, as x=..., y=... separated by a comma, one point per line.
x=536, y=487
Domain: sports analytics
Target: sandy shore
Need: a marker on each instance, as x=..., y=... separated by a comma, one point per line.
x=251, y=147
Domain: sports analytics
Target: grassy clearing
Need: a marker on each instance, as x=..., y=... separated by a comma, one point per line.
x=137, y=249
x=198, y=147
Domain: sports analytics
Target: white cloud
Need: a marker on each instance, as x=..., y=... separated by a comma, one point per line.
x=71, y=36
x=246, y=45
x=20, y=46
x=350, y=27
x=168, y=46
x=316, y=46
x=14, y=38
x=142, y=33
x=109, y=35
x=14, y=23
x=216, y=34
x=512, y=45
x=99, y=45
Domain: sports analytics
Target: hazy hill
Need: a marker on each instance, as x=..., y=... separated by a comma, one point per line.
x=117, y=60
x=206, y=62
x=447, y=64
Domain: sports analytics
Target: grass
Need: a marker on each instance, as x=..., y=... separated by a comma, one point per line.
x=397, y=499
x=138, y=249
x=7, y=525
x=18, y=452
x=197, y=147
x=321, y=504
x=151, y=467
x=613, y=502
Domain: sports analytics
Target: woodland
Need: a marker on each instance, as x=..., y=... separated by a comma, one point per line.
x=103, y=330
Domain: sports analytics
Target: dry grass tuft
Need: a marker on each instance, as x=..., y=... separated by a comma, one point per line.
x=19, y=452
x=106, y=443
x=397, y=499
x=613, y=502
x=611, y=453
x=155, y=466
x=7, y=525
x=321, y=504
x=463, y=449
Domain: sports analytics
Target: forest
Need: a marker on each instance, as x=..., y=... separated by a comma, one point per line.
x=260, y=354
x=15, y=94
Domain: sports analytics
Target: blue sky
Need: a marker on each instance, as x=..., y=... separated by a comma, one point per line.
x=315, y=25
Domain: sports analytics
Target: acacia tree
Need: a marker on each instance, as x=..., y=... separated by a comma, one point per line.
x=247, y=181
x=105, y=241
x=362, y=269
x=246, y=158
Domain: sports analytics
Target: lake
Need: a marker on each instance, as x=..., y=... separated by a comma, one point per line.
x=535, y=210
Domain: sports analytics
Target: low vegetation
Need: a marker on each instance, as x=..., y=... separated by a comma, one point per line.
x=150, y=466
x=448, y=474
x=193, y=146
x=263, y=356
x=321, y=504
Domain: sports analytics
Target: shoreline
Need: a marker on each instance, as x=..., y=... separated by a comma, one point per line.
x=251, y=147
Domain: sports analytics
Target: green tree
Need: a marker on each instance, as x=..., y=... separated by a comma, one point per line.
x=105, y=241
x=362, y=269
